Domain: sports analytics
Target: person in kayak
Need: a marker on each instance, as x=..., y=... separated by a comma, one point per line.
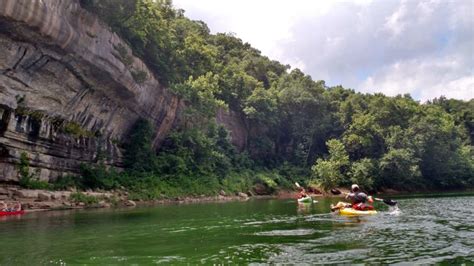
x=17, y=207
x=358, y=200
x=3, y=206
x=302, y=193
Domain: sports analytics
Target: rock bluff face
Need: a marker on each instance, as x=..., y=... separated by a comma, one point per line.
x=66, y=92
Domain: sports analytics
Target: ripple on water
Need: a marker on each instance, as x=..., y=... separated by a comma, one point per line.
x=256, y=253
x=272, y=220
x=426, y=231
x=295, y=232
x=422, y=231
x=137, y=259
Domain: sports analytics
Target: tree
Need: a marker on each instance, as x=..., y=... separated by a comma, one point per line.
x=438, y=142
x=363, y=173
x=364, y=137
x=139, y=155
x=327, y=174
x=288, y=118
x=399, y=169
x=331, y=172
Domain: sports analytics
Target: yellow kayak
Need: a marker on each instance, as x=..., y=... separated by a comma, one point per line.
x=352, y=212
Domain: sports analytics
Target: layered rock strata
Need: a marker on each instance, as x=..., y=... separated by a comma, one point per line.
x=67, y=94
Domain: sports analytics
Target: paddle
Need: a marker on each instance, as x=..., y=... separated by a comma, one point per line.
x=389, y=202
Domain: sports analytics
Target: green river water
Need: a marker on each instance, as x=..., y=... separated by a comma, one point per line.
x=424, y=230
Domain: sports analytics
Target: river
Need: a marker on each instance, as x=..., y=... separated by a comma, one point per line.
x=423, y=230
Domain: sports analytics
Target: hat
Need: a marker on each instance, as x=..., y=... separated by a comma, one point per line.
x=354, y=187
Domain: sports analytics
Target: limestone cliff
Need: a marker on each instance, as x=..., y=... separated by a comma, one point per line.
x=69, y=87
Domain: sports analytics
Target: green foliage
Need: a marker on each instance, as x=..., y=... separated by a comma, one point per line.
x=463, y=113
x=337, y=153
x=291, y=121
x=76, y=130
x=327, y=174
x=201, y=94
x=363, y=137
x=261, y=106
x=238, y=182
x=86, y=199
x=331, y=172
x=98, y=177
x=139, y=76
x=399, y=168
x=27, y=179
x=24, y=169
x=267, y=181
x=65, y=182
x=194, y=152
x=363, y=173
x=123, y=55
x=139, y=155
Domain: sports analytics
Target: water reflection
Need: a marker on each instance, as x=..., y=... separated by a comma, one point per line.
x=304, y=208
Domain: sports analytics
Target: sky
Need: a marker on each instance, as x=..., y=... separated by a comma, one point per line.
x=424, y=48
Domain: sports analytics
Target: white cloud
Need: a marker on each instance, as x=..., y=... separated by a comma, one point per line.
x=263, y=23
x=395, y=22
x=424, y=79
x=393, y=46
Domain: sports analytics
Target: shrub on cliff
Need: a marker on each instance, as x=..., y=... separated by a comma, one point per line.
x=27, y=179
x=139, y=154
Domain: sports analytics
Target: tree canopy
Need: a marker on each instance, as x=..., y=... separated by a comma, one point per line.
x=333, y=135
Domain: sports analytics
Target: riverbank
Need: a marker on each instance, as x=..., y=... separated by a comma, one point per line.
x=33, y=200
x=43, y=200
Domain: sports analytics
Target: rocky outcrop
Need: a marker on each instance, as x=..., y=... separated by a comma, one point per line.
x=66, y=92
x=236, y=125
x=70, y=91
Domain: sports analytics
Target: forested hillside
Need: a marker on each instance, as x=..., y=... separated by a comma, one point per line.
x=299, y=129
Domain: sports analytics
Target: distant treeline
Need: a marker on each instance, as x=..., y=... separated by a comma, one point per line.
x=299, y=129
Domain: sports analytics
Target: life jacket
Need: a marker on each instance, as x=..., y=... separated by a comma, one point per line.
x=362, y=207
x=302, y=195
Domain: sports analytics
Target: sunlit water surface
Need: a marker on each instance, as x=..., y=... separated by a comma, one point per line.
x=423, y=230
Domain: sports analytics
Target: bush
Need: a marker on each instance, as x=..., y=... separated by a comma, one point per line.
x=139, y=76
x=139, y=155
x=66, y=182
x=87, y=199
x=76, y=130
x=238, y=182
x=27, y=179
x=99, y=176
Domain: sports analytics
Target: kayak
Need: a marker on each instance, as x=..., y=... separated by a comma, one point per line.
x=306, y=199
x=352, y=212
x=2, y=213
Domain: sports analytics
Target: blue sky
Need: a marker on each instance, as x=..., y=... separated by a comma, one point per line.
x=425, y=48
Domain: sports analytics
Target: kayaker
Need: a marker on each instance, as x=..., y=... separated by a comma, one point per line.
x=302, y=193
x=358, y=200
x=3, y=206
x=16, y=207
